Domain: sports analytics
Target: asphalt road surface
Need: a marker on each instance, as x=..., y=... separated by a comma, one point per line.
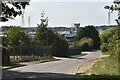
x=64, y=68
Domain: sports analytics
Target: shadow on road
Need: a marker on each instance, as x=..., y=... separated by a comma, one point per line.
x=75, y=58
x=18, y=65
x=69, y=57
x=14, y=75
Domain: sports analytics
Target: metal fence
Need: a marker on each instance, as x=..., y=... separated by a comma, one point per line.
x=28, y=50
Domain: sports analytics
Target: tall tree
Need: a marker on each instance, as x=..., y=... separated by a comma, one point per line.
x=11, y=8
x=46, y=37
x=90, y=32
x=41, y=36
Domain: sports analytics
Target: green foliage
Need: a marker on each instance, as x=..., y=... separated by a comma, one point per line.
x=90, y=32
x=106, y=66
x=86, y=40
x=41, y=35
x=85, y=43
x=46, y=37
x=110, y=41
x=17, y=36
x=11, y=13
x=60, y=47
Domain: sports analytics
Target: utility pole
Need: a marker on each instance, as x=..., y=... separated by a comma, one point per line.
x=29, y=20
x=23, y=18
x=109, y=17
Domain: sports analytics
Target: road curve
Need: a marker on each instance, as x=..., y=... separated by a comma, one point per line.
x=60, y=68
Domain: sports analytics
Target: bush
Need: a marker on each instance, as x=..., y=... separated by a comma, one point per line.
x=85, y=43
x=60, y=47
x=110, y=41
x=104, y=47
x=90, y=32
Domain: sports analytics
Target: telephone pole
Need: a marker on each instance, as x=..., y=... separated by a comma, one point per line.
x=23, y=18
x=109, y=17
x=29, y=20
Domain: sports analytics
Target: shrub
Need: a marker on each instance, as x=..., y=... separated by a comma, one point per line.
x=60, y=47
x=110, y=41
x=90, y=32
x=85, y=43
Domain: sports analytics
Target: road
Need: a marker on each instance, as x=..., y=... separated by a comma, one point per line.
x=65, y=67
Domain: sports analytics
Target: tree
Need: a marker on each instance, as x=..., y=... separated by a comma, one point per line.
x=46, y=37
x=90, y=32
x=11, y=8
x=16, y=39
x=41, y=36
x=17, y=36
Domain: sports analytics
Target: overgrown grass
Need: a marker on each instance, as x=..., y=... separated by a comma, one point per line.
x=15, y=62
x=107, y=66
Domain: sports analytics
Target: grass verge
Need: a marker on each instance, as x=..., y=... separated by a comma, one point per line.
x=15, y=62
x=106, y=66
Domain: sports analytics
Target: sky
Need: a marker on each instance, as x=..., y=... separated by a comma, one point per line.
x=65, y=12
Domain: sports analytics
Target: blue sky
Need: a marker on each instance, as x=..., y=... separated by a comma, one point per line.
x=66, y=12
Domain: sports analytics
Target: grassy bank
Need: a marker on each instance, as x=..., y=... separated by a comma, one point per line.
x=106, y=66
